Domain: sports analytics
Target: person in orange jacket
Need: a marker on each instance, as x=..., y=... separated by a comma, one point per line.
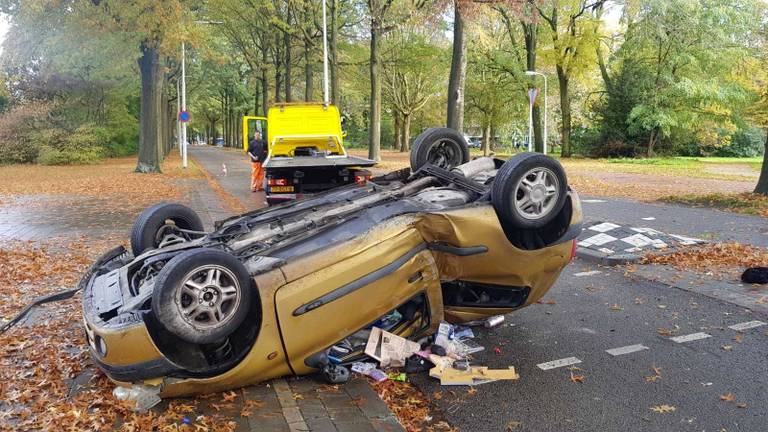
x=257, y=150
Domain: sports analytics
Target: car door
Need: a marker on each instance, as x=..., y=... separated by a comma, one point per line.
x=368, y=278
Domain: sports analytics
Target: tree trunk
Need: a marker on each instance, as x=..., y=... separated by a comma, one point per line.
x=651, y=142
x=455, y=114
x=149, y=68
x=406, y=144
x=493, y=137
x=531, y=31
x=398, y=131
x=264, y=83
x=565, y=110
x=487, y=139
x=762, y=182
x=334, y=60
x=278, y=67
x=374, y=128
x=309, y=87
x=287, y=43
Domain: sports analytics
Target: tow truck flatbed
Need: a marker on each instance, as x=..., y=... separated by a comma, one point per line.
x=318, y=161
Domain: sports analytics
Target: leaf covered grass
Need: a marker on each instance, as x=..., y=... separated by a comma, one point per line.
x=115, y=178
x=711, y=257
x=747, y=203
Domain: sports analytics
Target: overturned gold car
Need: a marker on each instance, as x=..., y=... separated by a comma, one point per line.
x=269, y=292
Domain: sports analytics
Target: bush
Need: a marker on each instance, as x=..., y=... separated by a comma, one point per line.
x=16, y=125
x=60, y=147
x=748, y=142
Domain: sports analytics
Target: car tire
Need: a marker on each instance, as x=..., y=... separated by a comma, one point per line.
x=202, y=295
x=442, y=147
x=529, y=190
x=147, y=232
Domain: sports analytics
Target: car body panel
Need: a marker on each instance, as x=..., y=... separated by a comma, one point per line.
x=362, y=304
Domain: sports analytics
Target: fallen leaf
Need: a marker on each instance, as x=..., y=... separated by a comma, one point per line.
x=663, y=409
x=229, y=396
x=512, y=425
x=616, y=307
x=471, y=391
x=667, y=332
x=576, y=378
x=726, y=347
x=728, y=397
x=437, y=395
x=551, y=302
x=741, y=405
x=639, y=301
x=738, y=337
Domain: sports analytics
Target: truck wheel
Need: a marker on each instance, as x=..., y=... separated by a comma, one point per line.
x=159, y=222
x=442, y=147
x=529, y=190
x=202, y=295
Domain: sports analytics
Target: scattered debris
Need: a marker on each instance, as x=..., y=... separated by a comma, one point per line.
x=139, y=397
x=388, y=348
x=369, y=369
x=474, y=376
x=512, y=425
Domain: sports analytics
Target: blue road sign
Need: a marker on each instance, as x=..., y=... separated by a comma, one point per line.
x=185, y=116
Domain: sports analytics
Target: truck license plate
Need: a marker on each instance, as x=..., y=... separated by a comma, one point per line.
x=281, y=189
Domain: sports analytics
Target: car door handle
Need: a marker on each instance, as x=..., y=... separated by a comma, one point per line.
x=415, y=277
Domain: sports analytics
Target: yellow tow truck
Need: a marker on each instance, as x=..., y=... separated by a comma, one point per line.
x=306, y=153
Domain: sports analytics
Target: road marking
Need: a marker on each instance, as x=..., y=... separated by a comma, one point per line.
x=558, y=363
x=649, y=218
x=587, y=273
x=592, y=201
x=690, y=337
x=629, y=349
x=746, y=325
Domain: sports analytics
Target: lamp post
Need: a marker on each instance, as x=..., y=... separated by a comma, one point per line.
x=183, y=105
x=532, y=73
x=183, y=135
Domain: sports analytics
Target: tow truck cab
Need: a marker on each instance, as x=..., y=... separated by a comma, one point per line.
x=306, y=151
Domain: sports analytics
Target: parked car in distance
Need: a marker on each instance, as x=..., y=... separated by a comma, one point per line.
x=294, y=288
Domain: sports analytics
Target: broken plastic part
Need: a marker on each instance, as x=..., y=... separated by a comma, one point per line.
x=139, y=397
x=335, y=374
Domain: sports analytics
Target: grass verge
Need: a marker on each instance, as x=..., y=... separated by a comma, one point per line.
x=747, y=203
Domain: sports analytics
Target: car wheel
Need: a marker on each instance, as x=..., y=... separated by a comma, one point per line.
x=442, y=147
x=159, y=224
x=529, y=190
x=202, y=295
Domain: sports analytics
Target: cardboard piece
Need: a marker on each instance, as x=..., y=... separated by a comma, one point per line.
x=389, y=349
x=473, y=376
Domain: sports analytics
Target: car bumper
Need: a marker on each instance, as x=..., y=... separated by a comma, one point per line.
x=121, y=345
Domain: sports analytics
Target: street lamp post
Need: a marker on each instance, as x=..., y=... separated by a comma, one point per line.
x=532, y=73
x=183, y=105
x=183, y=135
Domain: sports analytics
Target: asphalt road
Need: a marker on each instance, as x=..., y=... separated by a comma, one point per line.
x=592, y=314
x=694, y=222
